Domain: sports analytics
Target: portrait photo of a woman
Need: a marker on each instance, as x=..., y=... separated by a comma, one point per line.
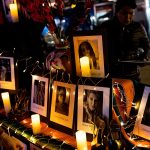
x=86, y=49
x=62, y=101
x=92, y=105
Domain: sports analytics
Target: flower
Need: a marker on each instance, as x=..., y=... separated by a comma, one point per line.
x=41, y=11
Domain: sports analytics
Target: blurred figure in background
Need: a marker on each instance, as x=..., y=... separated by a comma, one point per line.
x=126, y=40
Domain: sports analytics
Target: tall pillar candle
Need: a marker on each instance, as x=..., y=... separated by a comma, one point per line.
x=81, y=140
x=36, y=125
x=14, y=12
x=6, y=102
x=85, y=66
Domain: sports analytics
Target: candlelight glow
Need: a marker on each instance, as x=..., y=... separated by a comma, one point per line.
x=85, y=66
x=81, y=140
x=14, y=12
x=36, y=126
x=6, y=102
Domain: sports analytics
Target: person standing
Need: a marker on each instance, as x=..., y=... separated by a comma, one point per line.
x=126, y=40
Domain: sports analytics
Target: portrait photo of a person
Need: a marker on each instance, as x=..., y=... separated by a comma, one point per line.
x=92, y=105
x=86, y=49
x=93, y=111
x=5, y=70
x=62, y=100
x=39, y=92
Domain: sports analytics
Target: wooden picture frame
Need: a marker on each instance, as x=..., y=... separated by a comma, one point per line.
x=102, y=97
x=7, y=73
x=63, y=114
x=142, y=123
x=39, y=95
x=96, y=66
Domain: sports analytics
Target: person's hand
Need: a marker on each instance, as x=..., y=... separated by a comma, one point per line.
x=11, y=143
x=145, y=59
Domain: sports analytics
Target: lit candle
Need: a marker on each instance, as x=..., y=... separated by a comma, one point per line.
x=36, y=125
x=6, y=102
x=14, y=12
x=81, y=140
x=85, y=66
x=67, y=95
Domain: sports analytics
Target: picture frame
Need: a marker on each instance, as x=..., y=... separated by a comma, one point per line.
x=96, y=66
x=7, y=73
x=103, y=106
x=103, y=11
x=39, y=95
x=63, y=115
x=142, y=123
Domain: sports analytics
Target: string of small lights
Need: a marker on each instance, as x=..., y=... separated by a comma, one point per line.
x=41, y=140
x=133, y=139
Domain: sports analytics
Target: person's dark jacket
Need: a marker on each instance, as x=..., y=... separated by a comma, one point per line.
x=123, y=43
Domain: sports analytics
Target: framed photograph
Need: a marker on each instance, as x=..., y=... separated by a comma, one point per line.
x=7, y=73
x=89, y=56
x=103, y=11
x=142, y=123
x=93, y=107
x=39, y=95
x=62, y=105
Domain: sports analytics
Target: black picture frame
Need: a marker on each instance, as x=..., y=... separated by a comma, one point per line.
x=62, y=116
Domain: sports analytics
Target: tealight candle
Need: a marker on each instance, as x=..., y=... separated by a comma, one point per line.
x=36, y=125
x=85, y=66
x=81, y=140
x=14, y=12
x=6, y=102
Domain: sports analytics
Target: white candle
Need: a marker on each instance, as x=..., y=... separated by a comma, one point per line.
x=6, y=102
x=67, y=95
x=85, y=66
x=14, y=12
x=36, y=125
x=81, y=140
